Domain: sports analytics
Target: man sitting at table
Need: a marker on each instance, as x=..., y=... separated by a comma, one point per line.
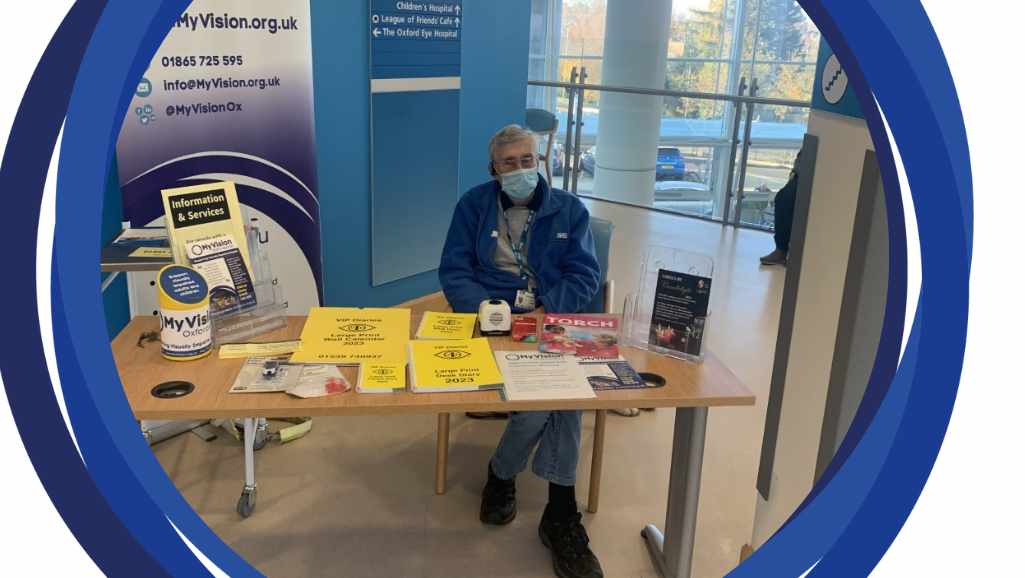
x=517, y=239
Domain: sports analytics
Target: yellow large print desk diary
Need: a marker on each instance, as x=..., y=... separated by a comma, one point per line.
x=453, y=365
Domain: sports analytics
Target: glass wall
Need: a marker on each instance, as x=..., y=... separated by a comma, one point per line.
x=777, y=47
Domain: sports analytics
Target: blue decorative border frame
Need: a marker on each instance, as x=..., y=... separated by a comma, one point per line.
x=126, y=513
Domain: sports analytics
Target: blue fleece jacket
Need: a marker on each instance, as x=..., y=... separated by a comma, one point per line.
x=560, y=253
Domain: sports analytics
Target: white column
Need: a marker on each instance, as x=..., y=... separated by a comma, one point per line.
x=828, y=233
x=636, y=42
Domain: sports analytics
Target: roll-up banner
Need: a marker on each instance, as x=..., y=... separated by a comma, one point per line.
x=229, y=97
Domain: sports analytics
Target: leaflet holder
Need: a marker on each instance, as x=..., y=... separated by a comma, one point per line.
x=682, y=338
x=271, y=307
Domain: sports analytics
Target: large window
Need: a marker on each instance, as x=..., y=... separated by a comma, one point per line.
x=779, y=44
x=712, y=45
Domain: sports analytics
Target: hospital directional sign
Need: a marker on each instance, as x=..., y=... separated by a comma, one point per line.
x=415, y=38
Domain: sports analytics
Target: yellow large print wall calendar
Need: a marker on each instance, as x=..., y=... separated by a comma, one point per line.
x=349, y=335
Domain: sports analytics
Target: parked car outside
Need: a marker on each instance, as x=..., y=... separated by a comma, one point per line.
x=669, y=166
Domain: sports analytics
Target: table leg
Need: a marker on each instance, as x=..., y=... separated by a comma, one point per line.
x=441, y=461
x=673, y=552
x=247, y=501
x=597, y=453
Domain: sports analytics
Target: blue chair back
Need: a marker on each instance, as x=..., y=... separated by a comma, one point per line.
x=601, y=230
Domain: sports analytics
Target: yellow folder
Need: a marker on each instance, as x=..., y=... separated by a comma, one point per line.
x=453, y=365
x=348, y=335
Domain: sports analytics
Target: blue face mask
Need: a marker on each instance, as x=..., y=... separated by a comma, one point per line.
x=519, y=184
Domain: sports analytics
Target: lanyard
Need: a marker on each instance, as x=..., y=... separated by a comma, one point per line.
x=518, y=248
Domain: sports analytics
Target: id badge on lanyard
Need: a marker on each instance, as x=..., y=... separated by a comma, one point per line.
x=525, y=300
x=524, y=297
x=519, y=248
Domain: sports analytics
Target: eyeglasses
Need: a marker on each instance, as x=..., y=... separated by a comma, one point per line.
x=513, y=163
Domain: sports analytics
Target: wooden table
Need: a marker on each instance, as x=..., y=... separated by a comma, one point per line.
x=690, y=388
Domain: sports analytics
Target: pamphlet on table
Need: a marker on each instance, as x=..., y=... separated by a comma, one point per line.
x=454, y=365
x=349, y=335
x=612, y=374
x=536, y=375
x=271, y=349
x=276, y=374
x=435, y=325
x=266, y=375
x=585, y=335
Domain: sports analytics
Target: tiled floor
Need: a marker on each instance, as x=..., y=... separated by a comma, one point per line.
x=355, y=497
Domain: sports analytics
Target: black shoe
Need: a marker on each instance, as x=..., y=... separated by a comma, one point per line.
x=567, y=539
x=776, y=257
x=498, y=501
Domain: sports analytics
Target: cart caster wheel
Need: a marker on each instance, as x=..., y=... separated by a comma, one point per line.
x=246, y=503
x=260, y=441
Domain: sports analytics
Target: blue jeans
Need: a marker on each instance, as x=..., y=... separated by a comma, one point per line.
x=557, y=453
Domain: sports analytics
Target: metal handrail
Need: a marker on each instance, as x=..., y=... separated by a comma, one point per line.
x=742, y=108
x=753, y=90
x=580, y=125
x=568, y=148
x=673, y=93
x=728, y=195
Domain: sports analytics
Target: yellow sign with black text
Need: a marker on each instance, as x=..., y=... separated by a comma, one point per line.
x=349, y=335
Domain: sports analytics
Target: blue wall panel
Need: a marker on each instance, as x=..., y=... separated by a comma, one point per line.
x=496, y=41
x=494, y=75
x=416, y=163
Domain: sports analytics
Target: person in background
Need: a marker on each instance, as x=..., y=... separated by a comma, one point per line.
x=517, y=239
x=784, y=219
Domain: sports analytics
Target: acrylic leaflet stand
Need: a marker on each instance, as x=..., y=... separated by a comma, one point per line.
x=639, y=307
x=269, y=313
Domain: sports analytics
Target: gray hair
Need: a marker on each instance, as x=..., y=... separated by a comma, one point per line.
x=508, y=135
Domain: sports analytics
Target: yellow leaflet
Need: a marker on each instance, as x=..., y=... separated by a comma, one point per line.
x=436, y=325
x=237, y=350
